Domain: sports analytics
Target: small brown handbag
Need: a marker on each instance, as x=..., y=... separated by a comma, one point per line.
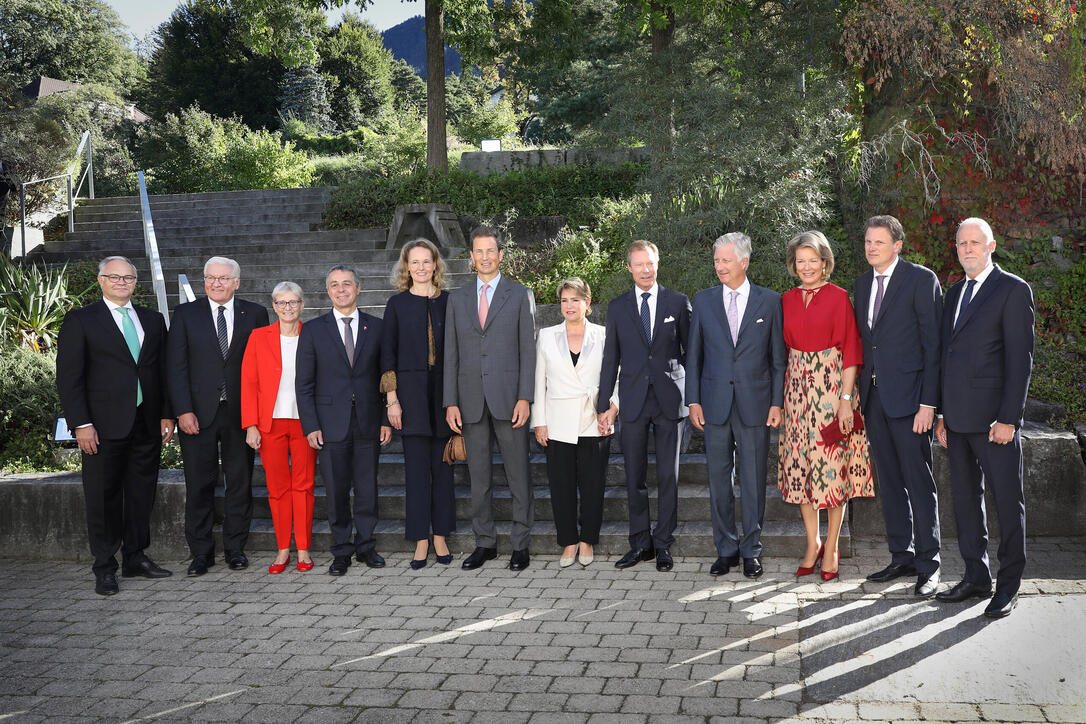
x=455, y=450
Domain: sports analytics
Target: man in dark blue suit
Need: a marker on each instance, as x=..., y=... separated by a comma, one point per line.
x=647, y=330
x=343, y=414
x=735, y=390
x=987, y=360
x=898, y=310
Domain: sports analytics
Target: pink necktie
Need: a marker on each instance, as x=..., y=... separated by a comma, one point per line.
x=483, y=306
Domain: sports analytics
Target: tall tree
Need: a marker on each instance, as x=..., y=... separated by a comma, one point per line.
x=437, y=155
x=303, y=95
x=359, y=68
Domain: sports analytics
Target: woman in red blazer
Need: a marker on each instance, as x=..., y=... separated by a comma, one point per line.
x=269, y=414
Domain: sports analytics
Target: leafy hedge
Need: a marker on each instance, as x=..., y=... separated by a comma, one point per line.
x=569, y=191
x=28, y=405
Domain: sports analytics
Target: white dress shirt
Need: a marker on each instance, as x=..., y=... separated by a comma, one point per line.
x=118, y=319
x=489, y=290
x=875, y=289
x=286, y=401
x=229, y=304
x=984, y=274
x=740, y=301
x=354, y=325
x=654, y=295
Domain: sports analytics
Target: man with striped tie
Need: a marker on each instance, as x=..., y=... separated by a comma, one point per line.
x=204, y=352
x=110, y=377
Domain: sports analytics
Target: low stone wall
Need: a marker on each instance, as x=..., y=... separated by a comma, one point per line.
x=488, y=162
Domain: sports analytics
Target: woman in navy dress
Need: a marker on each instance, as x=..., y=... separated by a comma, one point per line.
x=412, y=353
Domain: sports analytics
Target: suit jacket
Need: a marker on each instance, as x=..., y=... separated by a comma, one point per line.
x=659, y=363
x=566, y=395
x=261, y=370
x=903, y=347
x=988, y=355
x=327, y=385
x=197, y=369
x=96, y=375
x=750, y=372
x=494, y=364
x=405, y=350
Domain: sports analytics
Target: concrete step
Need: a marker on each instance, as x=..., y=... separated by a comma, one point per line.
x=302, y=262
x=315, y=193
x=60, y=251
x=247, y=224
x=225, y=242
x=226, y=215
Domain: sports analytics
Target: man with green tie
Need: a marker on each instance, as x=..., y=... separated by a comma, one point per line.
x=110, y=376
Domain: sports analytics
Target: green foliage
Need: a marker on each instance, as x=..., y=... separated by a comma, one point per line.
x=196, y=152
x=73, y=40
x=30, y=144
x=33, y=302
x=303, y=94
x=359, y=69
x=569, y=191
x=28, y=406
x=490, y=120
x=409, y=89
x=1058, y=280
x=1059, y=375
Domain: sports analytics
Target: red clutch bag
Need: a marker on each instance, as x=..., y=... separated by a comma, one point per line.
x=831, y=433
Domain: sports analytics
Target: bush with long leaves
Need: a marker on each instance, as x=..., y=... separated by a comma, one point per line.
x=33, y=302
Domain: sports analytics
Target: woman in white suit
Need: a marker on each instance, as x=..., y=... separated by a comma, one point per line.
x=567, y=382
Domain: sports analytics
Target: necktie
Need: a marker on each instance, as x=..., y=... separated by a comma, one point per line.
x=220, y=326
x=484, y=305
x=132, y=339
x=348, y=339
x=646, y=318
x=966, y=296
x=733, y=316
x=881, y=279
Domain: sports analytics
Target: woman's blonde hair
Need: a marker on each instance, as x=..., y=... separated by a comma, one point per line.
x=815, y=240
x=401, y=275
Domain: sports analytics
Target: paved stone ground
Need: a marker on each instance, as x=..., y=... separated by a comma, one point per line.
x=545, y=645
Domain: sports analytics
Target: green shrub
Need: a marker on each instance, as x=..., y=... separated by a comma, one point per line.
x=28, y=406
x=1059, y=375
x=33, y=302
x=339, y=144
x=569, y=191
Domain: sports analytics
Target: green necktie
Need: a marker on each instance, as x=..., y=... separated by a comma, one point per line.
x=132, y=339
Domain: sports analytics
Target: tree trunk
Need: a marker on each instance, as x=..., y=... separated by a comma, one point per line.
x=661, y=37
x=437, y=155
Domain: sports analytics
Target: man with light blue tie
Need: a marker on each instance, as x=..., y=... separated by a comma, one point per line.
x=735, y=366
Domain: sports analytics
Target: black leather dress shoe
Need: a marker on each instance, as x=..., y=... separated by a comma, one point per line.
x=752, y=567
x=1001, y=605
x=146, y=568
x=892, y=571
x=663, y=560
x=635, y=556
x=236, y=560
x=478, y=557
x=964, y=591
x=371, y=558
x=926, y=585
x=199, y=565
x=519, y=560
x=105, y=584
x=722, y=565
x=339, y=566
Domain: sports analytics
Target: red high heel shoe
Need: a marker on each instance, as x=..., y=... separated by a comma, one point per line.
x=304, y=566
x=830, y=575
x=279, y=567
x=804, y=570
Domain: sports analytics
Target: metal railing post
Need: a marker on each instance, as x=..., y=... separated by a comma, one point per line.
x=90, y=168
x=71, y=206
x=22, y=220
x=150, y=243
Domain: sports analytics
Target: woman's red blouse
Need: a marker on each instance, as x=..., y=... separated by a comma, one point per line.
x=828, y=321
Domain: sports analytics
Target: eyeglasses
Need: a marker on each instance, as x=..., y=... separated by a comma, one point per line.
x=218, y=280
x=287, y=303
x=119, y=278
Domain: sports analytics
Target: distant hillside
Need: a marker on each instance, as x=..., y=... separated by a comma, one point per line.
x=408, y=41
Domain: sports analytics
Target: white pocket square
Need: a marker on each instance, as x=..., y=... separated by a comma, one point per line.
x=669, y=319
x=759, y=321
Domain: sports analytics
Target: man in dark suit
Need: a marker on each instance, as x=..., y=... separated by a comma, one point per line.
x=898, y=310
x=735, y=367
x=343, y=414
x=110, y=377
x=647, y=330
x=205, y=347
x=986, y=365
x=489, y=386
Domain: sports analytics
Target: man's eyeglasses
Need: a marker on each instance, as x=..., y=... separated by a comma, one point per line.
x=218, y=280
x=119, y=278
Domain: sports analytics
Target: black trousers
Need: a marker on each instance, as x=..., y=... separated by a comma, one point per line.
x=975, y=463
x=430, y=501
x=572, y=469
x=635, y=437
x=201, y=453
x=350, y=466
x=910, y=502
x=119, y=485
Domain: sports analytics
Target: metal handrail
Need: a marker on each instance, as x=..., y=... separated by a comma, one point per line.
x=150, y=244
x=184, y=289
x=88, y=173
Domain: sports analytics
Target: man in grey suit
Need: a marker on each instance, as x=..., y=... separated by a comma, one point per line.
x=735, y=367
x=489, y=384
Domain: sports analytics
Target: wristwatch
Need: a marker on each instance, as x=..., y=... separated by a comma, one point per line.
x=846, y=396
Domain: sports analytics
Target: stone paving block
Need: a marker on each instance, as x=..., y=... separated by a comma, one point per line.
x=830, y=710
x=274, y=713
x=888, y=710
x=386, y=716
x=482, y=701
x=605, y=718
x=651, y=704
x=594, y=702
x=767, y=708
x=577, y=685
x=1070, y=713
x=948, y=711
x=551, y=717
x=427, y=699
x=500, y=717
x=710, y=706
x=1012, y=712
x=558, y=668
x=523, y=684
x=537, y=702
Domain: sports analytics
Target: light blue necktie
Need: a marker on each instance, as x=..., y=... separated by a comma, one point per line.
x=132, y=339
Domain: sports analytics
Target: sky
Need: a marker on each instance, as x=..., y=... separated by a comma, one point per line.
x=143, y=16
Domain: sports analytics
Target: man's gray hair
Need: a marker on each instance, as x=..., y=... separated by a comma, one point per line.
x=984, y=226
x=343, y=267
x=287, y=287
x=234, y=266
x=740, y=240
x=102, y=264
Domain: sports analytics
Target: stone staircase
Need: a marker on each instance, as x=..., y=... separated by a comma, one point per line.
x=272, y=235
